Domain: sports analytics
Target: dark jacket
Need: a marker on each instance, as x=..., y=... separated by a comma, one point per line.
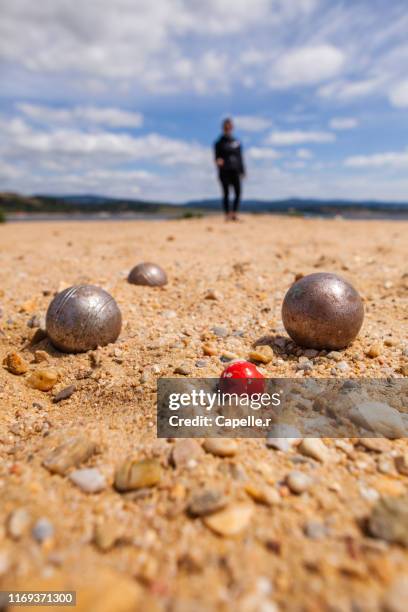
x=229, y=149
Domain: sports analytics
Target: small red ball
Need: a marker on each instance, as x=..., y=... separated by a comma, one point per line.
x=242, y=377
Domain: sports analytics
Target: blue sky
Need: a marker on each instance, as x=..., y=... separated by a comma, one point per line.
x=125, y=97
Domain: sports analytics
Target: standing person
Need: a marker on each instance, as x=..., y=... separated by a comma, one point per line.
x=228, y=158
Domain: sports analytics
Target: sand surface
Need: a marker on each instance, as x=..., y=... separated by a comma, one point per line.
x=301, y=552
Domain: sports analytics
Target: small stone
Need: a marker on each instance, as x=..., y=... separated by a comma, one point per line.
x=310, y=353
x=268, y=496
x=106, y=535
x=231, y=521
x=304, y=364
x=378, y=445
x=89, y=480
x=315, y=530
x=185, y=451
x=401, y=463
x=335, y=355
x=209, y=349
x=37, y=321
x=389, y=520
x=183, y=369
x=43, y=380
x=298, y=482
x=64, y=394
x=207, y=502
x=42, y=530
x=221, y=447
x=375, y=350
x=396, y=597
x=15, y=364
x=314, y=448
x=71, y=453
x=40, y=356
x=212, y=294
x=379, y=418
x=228, y=356
x=343, y=366
x=262, y=354
x=18, y=523
x=134, y=474
x=404, y=370
x=283, y=437
x=201, y=363
x=220, y=332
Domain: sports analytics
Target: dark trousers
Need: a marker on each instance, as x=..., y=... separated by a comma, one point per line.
x=230, y=178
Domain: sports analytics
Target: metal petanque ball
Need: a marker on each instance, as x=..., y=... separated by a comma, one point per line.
x=147, y=273
x=322, y=311
x=82, y=318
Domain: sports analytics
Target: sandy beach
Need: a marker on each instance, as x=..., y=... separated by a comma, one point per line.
x=143, y=550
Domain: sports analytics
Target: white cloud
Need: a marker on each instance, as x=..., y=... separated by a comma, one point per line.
x=307, y=66
x=399, y=95
x=304, y=154
x=22, y=139
x=110, y=117
x=378, y=160
x=252, y=123
x=349, y=90
x=296, y=137
x=343, y=123
x=262, y=153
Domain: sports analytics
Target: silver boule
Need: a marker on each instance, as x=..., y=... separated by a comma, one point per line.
x=322, y=311
x=147, y=273
x=81, y=318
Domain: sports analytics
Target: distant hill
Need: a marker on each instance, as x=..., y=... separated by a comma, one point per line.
x=17, y=206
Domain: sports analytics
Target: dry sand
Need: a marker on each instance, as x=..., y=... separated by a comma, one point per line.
x=308, y=552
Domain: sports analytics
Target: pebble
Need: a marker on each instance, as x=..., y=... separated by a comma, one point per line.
x=283, y=437
x=268, y=496
x=201, y=363
x=262, y=354
x=314, y=448
x=401, y=463
x=209, y=349
x=221, y=332
x=315, y=530
x=134, y=474
x=299, y=482
x=183, y=369
x=71, y=453
x=343, y=366
x=18, y=523
x=310, y=353
x=207, y=502
x=37, y=321
x=42, y=530
x=389, y=520
x=221, y=447
x=378, y=445
x=64, y=394
x=304, y=364
x=40, y=356
x=15, y=364
x=396, y=597
x=335, y=355
x=89, y=480
x=231, y=521
x=43, y=380
x=106, y=535
x=212, y=294
x=380, y=418
x=375, y=350
x=185, y=451
x=5, y=561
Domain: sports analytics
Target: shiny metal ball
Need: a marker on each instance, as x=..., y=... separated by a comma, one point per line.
x=322, y=311
x=82, y=318
x=147, y=273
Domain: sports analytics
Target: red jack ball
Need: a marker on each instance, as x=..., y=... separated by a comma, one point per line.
x=242, y=377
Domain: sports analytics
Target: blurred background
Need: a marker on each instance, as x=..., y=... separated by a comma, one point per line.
x=125, y=98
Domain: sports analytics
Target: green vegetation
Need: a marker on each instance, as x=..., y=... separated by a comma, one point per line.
x=192, y=214
x=2, y=216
